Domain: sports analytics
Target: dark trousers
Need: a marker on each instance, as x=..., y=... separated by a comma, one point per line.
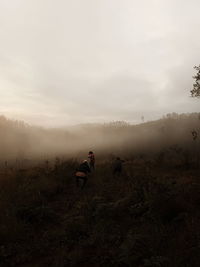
x=117, y=171
x=84, y=180
x=92, y=166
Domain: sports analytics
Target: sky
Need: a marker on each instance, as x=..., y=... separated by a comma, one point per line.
x=67, y=62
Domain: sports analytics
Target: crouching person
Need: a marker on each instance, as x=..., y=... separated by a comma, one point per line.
x=82, y=173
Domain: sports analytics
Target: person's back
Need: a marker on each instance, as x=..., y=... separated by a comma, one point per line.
x=82, y=173
x=84, y=167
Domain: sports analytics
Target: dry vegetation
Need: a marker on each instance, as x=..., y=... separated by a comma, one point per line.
x=148, y=216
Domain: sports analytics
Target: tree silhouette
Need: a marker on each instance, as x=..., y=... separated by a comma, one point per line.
x=195, y=92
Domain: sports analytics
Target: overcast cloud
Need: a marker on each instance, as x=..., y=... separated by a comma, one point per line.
x=73, y=61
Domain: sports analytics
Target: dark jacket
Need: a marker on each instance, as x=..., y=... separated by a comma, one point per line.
x=117, y=165
x=84, y=167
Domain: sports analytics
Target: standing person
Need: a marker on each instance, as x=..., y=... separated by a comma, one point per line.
x=117, y=166
x=91, y=160
x=82, y=173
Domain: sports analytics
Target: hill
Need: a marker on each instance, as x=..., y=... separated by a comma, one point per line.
x=18, y=140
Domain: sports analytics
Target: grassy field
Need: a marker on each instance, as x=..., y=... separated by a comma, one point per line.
x=147, y=216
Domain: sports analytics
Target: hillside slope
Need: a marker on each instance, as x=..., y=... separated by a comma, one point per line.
x=21, y=141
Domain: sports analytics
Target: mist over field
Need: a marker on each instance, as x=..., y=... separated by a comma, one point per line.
x=119, y=78
x=19, y=140
x=146, y=214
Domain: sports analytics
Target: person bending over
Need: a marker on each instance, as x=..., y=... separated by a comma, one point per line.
x=82, y=173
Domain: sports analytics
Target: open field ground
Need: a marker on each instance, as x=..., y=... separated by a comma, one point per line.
x=147, y=216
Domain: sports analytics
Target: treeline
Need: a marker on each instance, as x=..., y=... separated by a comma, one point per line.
x=20, y=140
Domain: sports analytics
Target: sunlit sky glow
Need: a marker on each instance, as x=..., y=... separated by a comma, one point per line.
x=73, y=61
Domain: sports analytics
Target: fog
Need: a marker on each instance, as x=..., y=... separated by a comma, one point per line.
x=20, y=141
x=72, y=67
